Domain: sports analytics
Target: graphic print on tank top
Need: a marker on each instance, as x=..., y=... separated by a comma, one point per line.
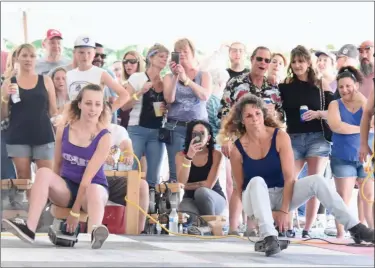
x=75, y=88
x=147, y=117
x=187, y=98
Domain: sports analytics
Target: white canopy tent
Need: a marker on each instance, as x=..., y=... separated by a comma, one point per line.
x=280, y=26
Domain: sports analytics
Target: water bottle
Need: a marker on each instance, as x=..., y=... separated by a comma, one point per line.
x=173, y=221
x=158, y=229
x=16, y=96
x=303, y=109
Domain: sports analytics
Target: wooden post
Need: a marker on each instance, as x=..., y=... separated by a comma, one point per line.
x=132, y=212
x=24, y=20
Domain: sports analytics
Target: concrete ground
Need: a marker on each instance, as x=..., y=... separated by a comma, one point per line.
x=168, y=251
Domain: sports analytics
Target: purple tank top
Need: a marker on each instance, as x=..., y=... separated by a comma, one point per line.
x=75, y=159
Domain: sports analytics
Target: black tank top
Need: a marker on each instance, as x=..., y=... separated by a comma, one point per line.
x=200, y=174
x=29, y=119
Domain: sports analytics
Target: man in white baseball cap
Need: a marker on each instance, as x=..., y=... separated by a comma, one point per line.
x=87, y=73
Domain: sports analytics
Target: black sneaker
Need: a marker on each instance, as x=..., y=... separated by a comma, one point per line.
x=306, y=234
x=19, y=228
x=291, y=234
x=272, y=245
x=361, y=233
x=98, y=236
x=281, y=234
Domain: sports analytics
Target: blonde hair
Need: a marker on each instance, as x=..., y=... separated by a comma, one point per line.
x=25, y=46
x=182, y=43
x=140, y=67
x=155, y=49
x=233, y=126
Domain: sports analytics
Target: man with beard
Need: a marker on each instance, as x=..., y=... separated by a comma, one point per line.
x=366, y=58
x=99, y=62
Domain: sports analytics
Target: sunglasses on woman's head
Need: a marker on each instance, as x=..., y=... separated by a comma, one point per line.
x=103, y=56
x=260, y=59
x=131, y=61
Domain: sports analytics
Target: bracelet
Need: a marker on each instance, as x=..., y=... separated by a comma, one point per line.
x=226, y=139
x=188, y=158
x=187, y=82
x=4, y=100
x=135, y=97
x=75, y=215
x=283, y=211
x=185, y=165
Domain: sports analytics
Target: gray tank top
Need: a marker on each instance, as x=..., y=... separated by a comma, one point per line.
x=187, y=106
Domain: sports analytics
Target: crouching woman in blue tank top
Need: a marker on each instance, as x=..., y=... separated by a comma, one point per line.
x=263, y=166
x=77, y=180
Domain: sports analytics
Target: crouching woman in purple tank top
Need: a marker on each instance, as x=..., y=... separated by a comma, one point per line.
x=263, y=167
x=77, y=180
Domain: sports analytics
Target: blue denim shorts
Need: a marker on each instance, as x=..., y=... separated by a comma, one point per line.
x=307, y=145
x=347, y=169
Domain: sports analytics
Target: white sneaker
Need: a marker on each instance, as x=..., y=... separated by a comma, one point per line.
x=98, y=236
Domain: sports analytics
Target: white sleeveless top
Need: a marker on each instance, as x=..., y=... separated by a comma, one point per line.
x=76, y=79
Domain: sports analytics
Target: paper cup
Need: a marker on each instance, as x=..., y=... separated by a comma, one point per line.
x=157, y=109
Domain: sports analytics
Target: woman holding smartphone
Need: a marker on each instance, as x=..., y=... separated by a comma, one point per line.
x=197, y=168
x=186, y=91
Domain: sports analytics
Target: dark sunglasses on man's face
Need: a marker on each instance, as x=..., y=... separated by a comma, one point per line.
x=260, y=59
x=103, y=56
x=363, y=49
x=131, y=61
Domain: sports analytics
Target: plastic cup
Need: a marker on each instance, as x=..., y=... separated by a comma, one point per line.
x=157, y=109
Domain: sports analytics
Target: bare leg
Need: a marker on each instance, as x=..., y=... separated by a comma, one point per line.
x=235, y=209
x=368, y=207
x=229, y=181
x=143, y=203
x=47, y=185
x=344, y=187
x=298, y=165
x=316, y=165
x=44, y=163
x=361, y=213
x=94, y=203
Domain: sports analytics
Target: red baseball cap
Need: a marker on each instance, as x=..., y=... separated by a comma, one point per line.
x=52, y=33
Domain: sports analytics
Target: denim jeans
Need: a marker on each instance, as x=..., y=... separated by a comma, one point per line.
x=146, y=142
x=7, y=168
x=258, y=201
x=178, y=142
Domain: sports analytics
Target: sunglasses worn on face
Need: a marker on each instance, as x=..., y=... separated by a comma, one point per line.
x=363, y=49
x=103, y=56
x=132, y=61
x=260, y=59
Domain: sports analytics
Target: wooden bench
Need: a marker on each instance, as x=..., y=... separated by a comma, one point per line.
x=19, y=185
x=132, y=194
